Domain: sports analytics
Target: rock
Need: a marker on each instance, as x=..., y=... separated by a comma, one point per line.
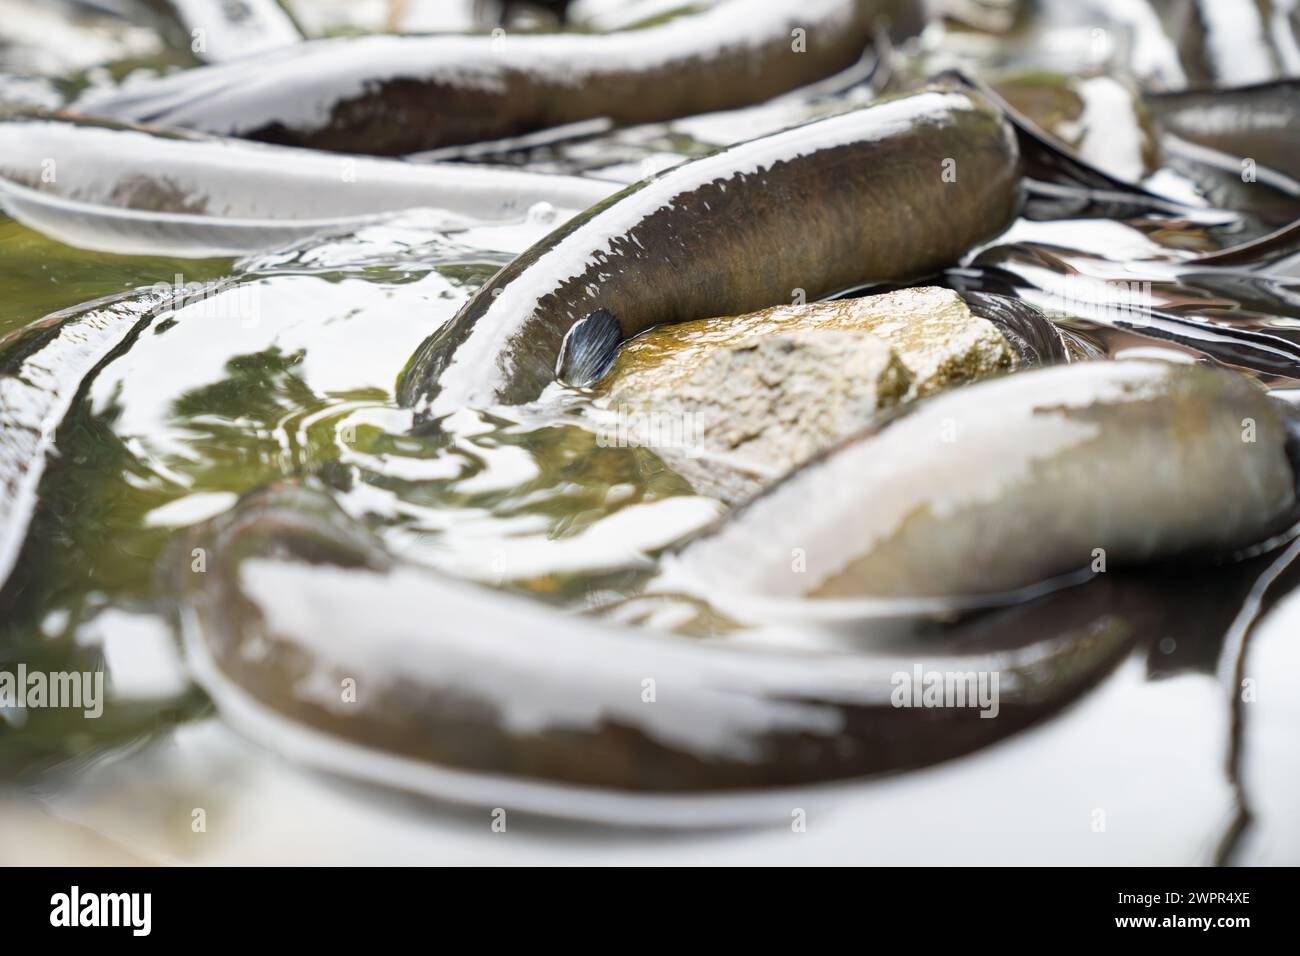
x=777, y=400
x=933, y=331
x=734, y=403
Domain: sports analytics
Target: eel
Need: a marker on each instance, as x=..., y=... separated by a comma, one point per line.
x=498, y=700
x=1230, y=42
x=1238, y=147
x=313, y=640
x=219, y=30
x=1100, y=118
x=403, y=94
x=124, y=189
x=1262, y=252
x=43, y=368
x=1259, y=122
x=824, y=207
x=1164, y=305
x=1010, y=484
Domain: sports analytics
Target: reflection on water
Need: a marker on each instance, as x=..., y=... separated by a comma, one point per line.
x=291, y=371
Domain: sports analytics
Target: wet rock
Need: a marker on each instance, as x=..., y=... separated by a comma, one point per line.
x=767, y=404
x=933, y=331
x=733, y=403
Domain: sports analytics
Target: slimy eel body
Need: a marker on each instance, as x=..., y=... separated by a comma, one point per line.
x=125, y=189
x=1008, y=483
x=488, y=698
x=403, y=94
x=892, y=191
x=491, y=699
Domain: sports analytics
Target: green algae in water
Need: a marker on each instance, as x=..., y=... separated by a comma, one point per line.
x=42, y=276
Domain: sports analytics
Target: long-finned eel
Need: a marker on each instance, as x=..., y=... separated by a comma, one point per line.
x=394, y=94
x=1263, y=252
x=43, y=368
x=124, y=189
x=1230, y=42
x=1260, y=122
x=220, y=30
x=889, y=192
x=1010, y=483
x=498, y=700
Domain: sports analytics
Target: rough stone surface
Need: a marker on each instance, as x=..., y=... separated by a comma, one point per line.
x=933, y=331
x=733, y=403
x=777, y=400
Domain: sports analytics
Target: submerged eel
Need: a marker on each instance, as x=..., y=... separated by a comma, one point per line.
x=403, y=94
x=125, y=189
x=823, y=207
x=498, y=700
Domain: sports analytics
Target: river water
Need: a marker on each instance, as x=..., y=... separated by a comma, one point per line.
x=1183, y=754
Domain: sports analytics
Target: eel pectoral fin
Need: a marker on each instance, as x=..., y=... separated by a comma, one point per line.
x=588, y=349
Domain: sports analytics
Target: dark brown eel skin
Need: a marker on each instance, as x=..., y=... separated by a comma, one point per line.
x=472, y=695
x=890, y=192
x=402, y=94
x=1260, y=122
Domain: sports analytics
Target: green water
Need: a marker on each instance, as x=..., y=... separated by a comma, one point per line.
x=86, y=547
x=290, y=374
x=43, y=276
